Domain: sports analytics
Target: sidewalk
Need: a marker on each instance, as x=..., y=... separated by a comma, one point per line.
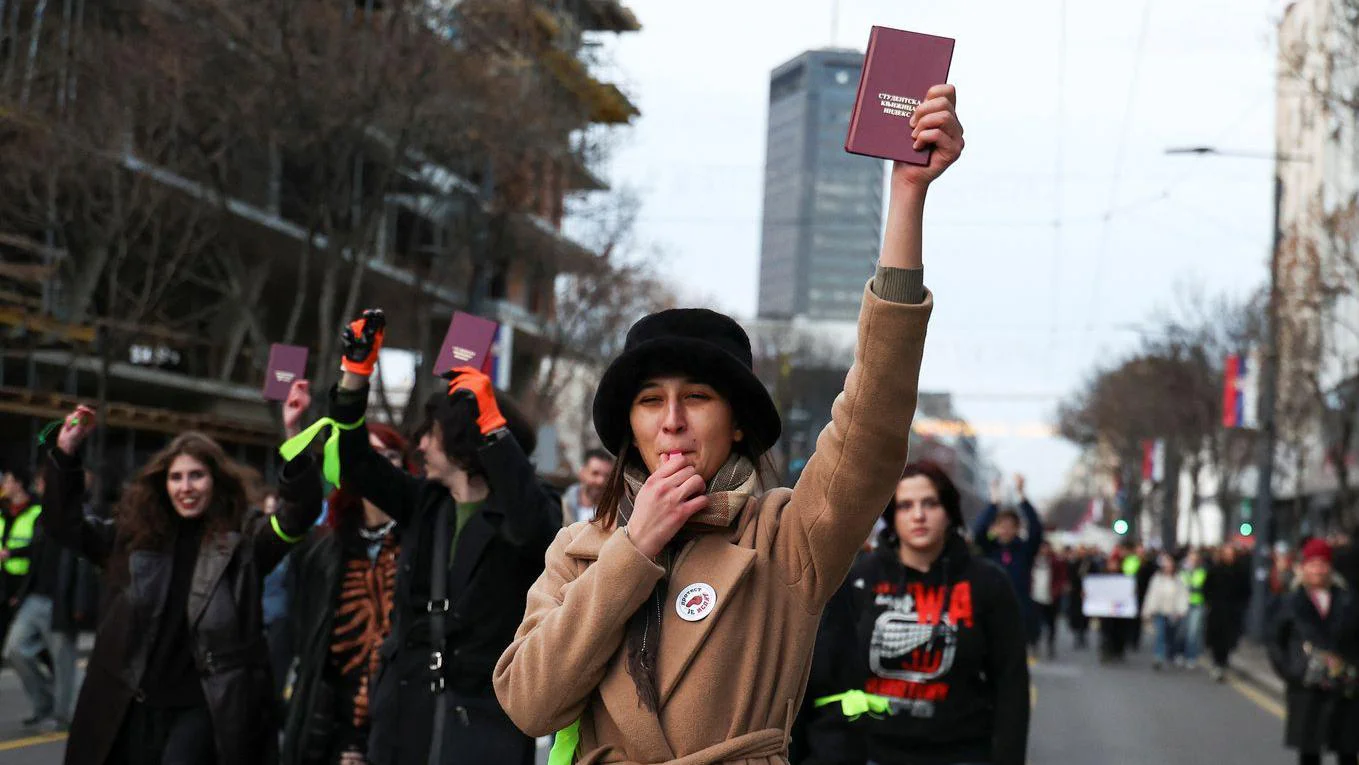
x=1251, y=663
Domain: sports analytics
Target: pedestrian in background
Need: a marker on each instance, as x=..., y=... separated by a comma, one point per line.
x=581, y=499
x=1114, y=634
x=1226, y=592
x=678, y=626
x=1049, y=586
x=1141, y=566
x=1166, y=604
x=1194, y=575
x=1080, y=562
x=180, y=669
x=41, y=645
x=19, y=511
x=936, y=645
x=997, y=533
x=1314, y=647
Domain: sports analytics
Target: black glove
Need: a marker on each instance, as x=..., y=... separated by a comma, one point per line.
x=362, y=340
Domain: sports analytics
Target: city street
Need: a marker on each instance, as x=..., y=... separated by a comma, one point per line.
x=1085, y=714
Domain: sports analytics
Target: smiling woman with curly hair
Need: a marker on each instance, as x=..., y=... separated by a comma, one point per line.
x=180, y=669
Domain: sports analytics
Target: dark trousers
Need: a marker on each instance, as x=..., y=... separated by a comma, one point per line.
x=1047, y=626
x=1309, y=758
x=278, y=636
x=1114, y=636
x=157, y=736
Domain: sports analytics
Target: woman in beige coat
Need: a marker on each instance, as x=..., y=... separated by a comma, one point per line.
x=677, y=626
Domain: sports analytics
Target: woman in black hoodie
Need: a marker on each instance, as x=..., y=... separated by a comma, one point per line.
x=939, y=674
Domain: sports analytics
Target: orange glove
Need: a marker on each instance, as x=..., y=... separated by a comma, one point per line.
x=478, y=385
x=362, y=340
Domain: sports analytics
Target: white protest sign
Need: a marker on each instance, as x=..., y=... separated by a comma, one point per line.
x=1110, y=596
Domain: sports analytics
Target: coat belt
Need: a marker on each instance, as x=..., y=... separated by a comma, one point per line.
x=761, y=744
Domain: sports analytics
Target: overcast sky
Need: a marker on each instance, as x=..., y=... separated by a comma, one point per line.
x=1024, y=307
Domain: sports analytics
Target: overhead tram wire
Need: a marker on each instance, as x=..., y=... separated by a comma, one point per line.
x=1101, y=254
x=1058, y=187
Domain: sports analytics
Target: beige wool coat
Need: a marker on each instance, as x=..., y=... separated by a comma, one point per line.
x=730, y=683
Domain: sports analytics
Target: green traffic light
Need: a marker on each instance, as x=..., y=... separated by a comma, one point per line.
x=1247, y=529
x=1120, y=526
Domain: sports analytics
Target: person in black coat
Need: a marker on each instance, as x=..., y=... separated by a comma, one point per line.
x=1226, y=592
x=1314, y=646
x=1080, y=563
x=932, y=637
x=180, y=670
x=996, y=533
x=481, y=509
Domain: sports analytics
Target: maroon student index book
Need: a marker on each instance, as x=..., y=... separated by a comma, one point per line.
x=286, y=364
x=900, y=67
x=467, y=343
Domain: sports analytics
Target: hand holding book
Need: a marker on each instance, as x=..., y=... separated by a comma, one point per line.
x=934, y=126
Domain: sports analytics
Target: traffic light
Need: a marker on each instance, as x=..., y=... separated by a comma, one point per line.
x=1120, y=526
x=1247, y=529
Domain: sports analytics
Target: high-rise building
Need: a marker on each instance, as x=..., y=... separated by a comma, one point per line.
x=822, y=205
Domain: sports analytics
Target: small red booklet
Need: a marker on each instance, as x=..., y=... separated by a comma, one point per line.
x=286, y=364
x=900, y=67
x=467, y=343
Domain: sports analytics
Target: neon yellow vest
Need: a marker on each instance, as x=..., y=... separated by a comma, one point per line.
x=20, y=535
x=1131, y=565
x=1194, y=581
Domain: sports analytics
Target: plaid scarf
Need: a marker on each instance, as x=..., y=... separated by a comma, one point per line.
x=728, y=493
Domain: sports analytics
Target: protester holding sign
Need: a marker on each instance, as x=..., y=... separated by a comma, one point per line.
x=680, y=622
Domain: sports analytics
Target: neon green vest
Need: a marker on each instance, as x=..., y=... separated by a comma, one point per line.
x=20, y=535
x=1131, y=565
x=1194, y=581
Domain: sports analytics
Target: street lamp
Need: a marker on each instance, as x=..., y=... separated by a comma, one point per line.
x=1262, y=514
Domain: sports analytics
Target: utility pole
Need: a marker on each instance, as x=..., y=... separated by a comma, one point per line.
x=1263, y=512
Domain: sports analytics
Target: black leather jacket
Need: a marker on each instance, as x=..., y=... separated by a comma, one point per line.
x=224, y=611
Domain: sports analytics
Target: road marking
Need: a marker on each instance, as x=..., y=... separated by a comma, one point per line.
x=21, y=743
x=1260, y=699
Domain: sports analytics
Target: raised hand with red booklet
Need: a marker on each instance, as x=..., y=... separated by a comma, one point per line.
x=469, y=381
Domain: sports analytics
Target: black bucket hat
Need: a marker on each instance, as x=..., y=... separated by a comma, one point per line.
x=710, y=346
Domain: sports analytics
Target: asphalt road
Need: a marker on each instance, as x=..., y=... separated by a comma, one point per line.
x=1130, y=714
x=1084, y=714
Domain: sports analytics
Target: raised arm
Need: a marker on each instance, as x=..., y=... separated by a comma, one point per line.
x=571, y=621
x=63, y=517
x=981, y=528
x=1034, y=524
x=860, y=454
x=531, y=514
x=299, y=494
x=362, y=470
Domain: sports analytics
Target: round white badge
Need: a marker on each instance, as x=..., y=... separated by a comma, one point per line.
x=695, y=602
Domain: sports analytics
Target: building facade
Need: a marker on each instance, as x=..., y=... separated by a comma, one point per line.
x=822, y=218
x=1317, y=145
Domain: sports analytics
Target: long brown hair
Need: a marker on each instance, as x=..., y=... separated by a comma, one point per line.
x=145, y=513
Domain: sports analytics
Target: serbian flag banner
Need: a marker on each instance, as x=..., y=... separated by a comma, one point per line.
x=1232, y=398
